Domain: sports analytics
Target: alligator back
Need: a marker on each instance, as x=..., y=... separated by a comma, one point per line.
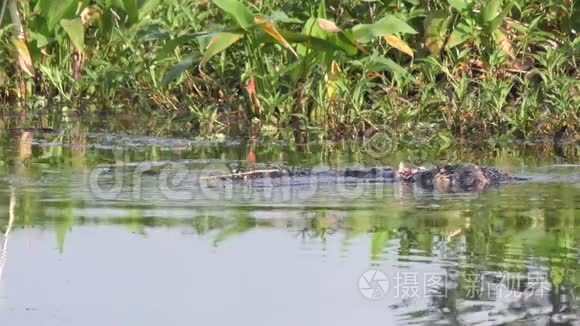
x=468, y=177
x=496, y=176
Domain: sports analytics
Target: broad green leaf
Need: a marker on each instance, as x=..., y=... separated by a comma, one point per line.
x=342, y=40
x=218, y=43
x=399, y=44
x=497, y=21
x=394, y=25
x=132, y=11
x=106, y=24
x=200, y=37
x=41, y=40
x=76, y=31
x=280, y=16
x=387, y=25
x=204, y=40
x=310, y=41
x=460, y=5
x=236, y=9
x=54, y=10
x=322, y=10
x=377, y=64
x=458, y=36
x=177, y=70
x=311, y=28
x=268, y=27
x=170, y=45
x=363, y=32
x=347, y=43
x=24, y=59
x=490, y=10
x=435, y=31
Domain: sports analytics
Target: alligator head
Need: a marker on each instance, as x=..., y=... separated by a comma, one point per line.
x=406, y=172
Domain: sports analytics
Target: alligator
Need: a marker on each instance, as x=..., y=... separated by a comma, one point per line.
x=445, y=178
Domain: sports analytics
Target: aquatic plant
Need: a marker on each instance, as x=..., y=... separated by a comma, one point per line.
x=454, y=68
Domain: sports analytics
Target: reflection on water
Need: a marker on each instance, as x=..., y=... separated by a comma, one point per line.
x=84, y=228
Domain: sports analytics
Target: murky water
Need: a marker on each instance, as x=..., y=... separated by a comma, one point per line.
x=90, y=237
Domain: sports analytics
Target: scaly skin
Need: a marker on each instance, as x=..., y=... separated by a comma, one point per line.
x=454, y=177
x=279, y=171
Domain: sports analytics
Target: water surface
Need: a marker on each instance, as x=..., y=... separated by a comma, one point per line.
x=90, y=239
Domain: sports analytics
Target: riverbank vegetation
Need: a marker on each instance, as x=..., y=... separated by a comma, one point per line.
x=449, y=69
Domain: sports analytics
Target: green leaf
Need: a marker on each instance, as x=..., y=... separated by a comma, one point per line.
x=377, y=64
x=170, y=45
x=132, y=11
x=460, y=5
x=393, y=25
x=575, y=18
x=322, y=10
x=219, y=42
x=363, y=32
x=345, y=40
x=236, y=9
x=152, y=33
x=498, y=20
x=435, y=31
x=147, y=6
x=76, y=32
x=41, y=39
x=311, y=28
x=54, y=11
x=310, y=41
x=458, y=36
x=490, y=10
x=177, y=70
x=342, y=40
x=447, y=141
x=387, y=25
x=280, y=16
x=314, y=36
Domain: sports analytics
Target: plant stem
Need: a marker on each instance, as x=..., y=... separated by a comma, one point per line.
x=15, y=16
